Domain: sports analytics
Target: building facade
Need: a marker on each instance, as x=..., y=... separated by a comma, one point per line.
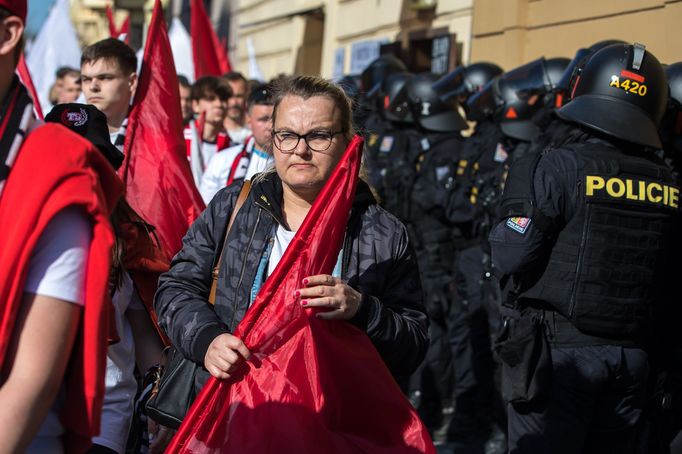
x=336, y=37
x=511, y=32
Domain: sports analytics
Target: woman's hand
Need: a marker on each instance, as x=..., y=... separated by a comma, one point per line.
x=224, y=355
x=331, y=293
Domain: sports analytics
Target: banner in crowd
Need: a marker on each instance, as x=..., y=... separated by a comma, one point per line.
x=210, y=57
x=55, y=46
x=158, y=182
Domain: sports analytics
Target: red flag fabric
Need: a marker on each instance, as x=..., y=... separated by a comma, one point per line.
x=113, y=31
x=210, y=59
x=158, y=181
x=311, y=385
x=125, y=29
x=25, y=76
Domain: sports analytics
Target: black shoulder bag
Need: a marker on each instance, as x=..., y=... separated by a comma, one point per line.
x=174, y=391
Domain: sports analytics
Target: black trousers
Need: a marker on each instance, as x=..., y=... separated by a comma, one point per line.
x=594, y=405
x=469, y=337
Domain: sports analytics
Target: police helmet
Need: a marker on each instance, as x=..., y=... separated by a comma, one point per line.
x=622, y=91
x=484, y=104
x=555, y=69
x=579, y=59
x=599, y=45
x=350, y=84
x=465, y=81
x=522, y=91
x=377, y=71
x=418, y=101
x=390, y=88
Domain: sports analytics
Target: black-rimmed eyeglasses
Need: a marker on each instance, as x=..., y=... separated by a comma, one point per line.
x=287, y=141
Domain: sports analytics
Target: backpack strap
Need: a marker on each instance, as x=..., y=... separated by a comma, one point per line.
x=243, y=194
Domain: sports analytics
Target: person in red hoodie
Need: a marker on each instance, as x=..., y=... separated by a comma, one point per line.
x=56, y=194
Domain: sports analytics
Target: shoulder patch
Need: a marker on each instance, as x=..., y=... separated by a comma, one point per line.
x=386, y=144
x=518, y=224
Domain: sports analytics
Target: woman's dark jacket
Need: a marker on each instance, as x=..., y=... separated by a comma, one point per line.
x=377, y=261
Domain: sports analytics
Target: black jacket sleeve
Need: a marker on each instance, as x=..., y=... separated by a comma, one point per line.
x=181, y=301
x=396, y=320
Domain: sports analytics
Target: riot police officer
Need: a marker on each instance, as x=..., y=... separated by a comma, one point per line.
x=416, y=181
x=587, y=231
x=554, y=131
x=369, y=114
x=504, y=110
x=389, y=140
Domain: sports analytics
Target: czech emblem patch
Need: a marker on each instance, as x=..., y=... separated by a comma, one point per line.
x=518, y=224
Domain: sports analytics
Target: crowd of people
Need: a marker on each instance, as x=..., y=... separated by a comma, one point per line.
x=509, y=253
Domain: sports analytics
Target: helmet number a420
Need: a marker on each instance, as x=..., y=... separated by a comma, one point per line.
x=630, y=86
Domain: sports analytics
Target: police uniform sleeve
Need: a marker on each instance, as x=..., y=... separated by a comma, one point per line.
x=530, y=217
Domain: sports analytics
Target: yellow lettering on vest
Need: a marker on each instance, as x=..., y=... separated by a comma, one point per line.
x=674, y=197
x=628, y=193
x=594, y=183
x=642, y=190
x=666, y=192
x=610, y=187
x=649, y=193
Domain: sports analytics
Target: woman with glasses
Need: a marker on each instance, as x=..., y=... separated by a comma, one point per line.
x=375, y=284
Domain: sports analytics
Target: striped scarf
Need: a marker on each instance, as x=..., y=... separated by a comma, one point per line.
x=17, y=119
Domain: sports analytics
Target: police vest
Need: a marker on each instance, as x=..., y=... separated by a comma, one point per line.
x=604, y=270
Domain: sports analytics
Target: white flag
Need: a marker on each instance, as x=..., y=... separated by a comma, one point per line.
x=254, y=69
x=55, y=46
x=181, y=46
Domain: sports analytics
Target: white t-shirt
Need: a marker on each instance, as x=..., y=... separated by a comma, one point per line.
x=283, y=238
x=218, y=170
x=260, y=161
x=120, y=384
x=57, y=267
x=239, y=135
x=280, y=244
x=57, y=270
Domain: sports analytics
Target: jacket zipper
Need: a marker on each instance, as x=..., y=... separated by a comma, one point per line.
x=241, y=275
x=583, y=240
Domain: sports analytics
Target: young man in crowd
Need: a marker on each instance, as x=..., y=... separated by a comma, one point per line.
x=109, y=80
x=70, y=88
x=235, y=121
x=206, y=136
x=56, y=193
x=244, y=160
x=185, y=99
x=74, y=82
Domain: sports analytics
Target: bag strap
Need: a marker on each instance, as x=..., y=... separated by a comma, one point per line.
x=243, y=194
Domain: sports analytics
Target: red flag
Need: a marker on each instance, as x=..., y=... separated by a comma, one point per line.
x=25, y=76
x=158, y=181
x=113, y=31
x=311, y=385
x=210, y=59
x=125, y=29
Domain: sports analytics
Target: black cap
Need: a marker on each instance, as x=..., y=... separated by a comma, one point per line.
x=89, y=122
x=260, y=94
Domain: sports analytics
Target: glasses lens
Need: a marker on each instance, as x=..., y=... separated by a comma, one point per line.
x=286, y=141
x=319, y=140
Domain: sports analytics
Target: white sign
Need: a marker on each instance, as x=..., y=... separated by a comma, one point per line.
x=362, y=54
x=339, y=62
